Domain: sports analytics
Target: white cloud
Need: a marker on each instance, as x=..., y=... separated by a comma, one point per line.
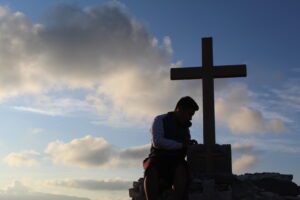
x=83, y=152
x=244, y=162
x=39, y=111
x=87, y=184
x=95, y=152
x=134, y=96
x=249, y=120
x=247, y=156
x=237, y=110
x=24, y=158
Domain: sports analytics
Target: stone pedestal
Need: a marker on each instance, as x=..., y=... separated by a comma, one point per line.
x=209, y=161
x=208, y=190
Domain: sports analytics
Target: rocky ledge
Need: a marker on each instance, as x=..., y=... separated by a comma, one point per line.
x=257, y=186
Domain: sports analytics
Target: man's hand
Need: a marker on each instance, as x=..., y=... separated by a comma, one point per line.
x=193, y=142
x=189, y=143
x=185, y=145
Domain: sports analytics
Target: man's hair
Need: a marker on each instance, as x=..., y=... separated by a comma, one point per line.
x=187, y=103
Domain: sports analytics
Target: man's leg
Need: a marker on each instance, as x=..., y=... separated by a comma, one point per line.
x=151, y=183
x=180, y=182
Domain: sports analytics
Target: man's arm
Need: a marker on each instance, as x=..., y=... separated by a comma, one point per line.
x=158, y=138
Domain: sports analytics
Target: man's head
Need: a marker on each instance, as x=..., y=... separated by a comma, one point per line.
x=185, y=109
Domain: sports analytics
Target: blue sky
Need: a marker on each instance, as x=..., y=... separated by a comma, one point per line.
x=81, y=81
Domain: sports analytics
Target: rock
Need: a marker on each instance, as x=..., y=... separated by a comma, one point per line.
x=137, y=192
x=257, y=186
x=243, y=190
x=283, y=188
x=280, y=184
x=259, y=176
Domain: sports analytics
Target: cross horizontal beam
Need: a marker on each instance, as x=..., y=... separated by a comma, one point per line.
x=224, y=71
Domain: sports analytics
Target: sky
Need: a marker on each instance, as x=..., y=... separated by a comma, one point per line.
x=81, y=82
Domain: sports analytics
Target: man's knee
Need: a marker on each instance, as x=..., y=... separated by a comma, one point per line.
x=181, y=176
x=181, y=169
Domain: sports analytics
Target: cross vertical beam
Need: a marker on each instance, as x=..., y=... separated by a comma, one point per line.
x=209, y=137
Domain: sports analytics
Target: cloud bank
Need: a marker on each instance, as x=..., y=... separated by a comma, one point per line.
x=93, y=152
x=96, y=152
x=89, y=152
x=105, y=51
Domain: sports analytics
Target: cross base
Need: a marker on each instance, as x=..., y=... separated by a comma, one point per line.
x=212, y=161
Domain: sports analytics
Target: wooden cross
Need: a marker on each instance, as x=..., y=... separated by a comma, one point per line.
x=207, y=73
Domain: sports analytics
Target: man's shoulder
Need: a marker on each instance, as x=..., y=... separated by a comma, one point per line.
x=161, y=117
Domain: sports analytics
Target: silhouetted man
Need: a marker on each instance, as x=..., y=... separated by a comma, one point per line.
x=170, y=138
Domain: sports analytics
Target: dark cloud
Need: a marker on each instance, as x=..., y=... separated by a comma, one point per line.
x=135, y=153
x=96, y=41
x=242, y=147
x=73, y=47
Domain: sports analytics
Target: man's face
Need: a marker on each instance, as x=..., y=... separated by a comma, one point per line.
x=186, y=115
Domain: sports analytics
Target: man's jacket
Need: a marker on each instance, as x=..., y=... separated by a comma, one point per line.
x=168, y=136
